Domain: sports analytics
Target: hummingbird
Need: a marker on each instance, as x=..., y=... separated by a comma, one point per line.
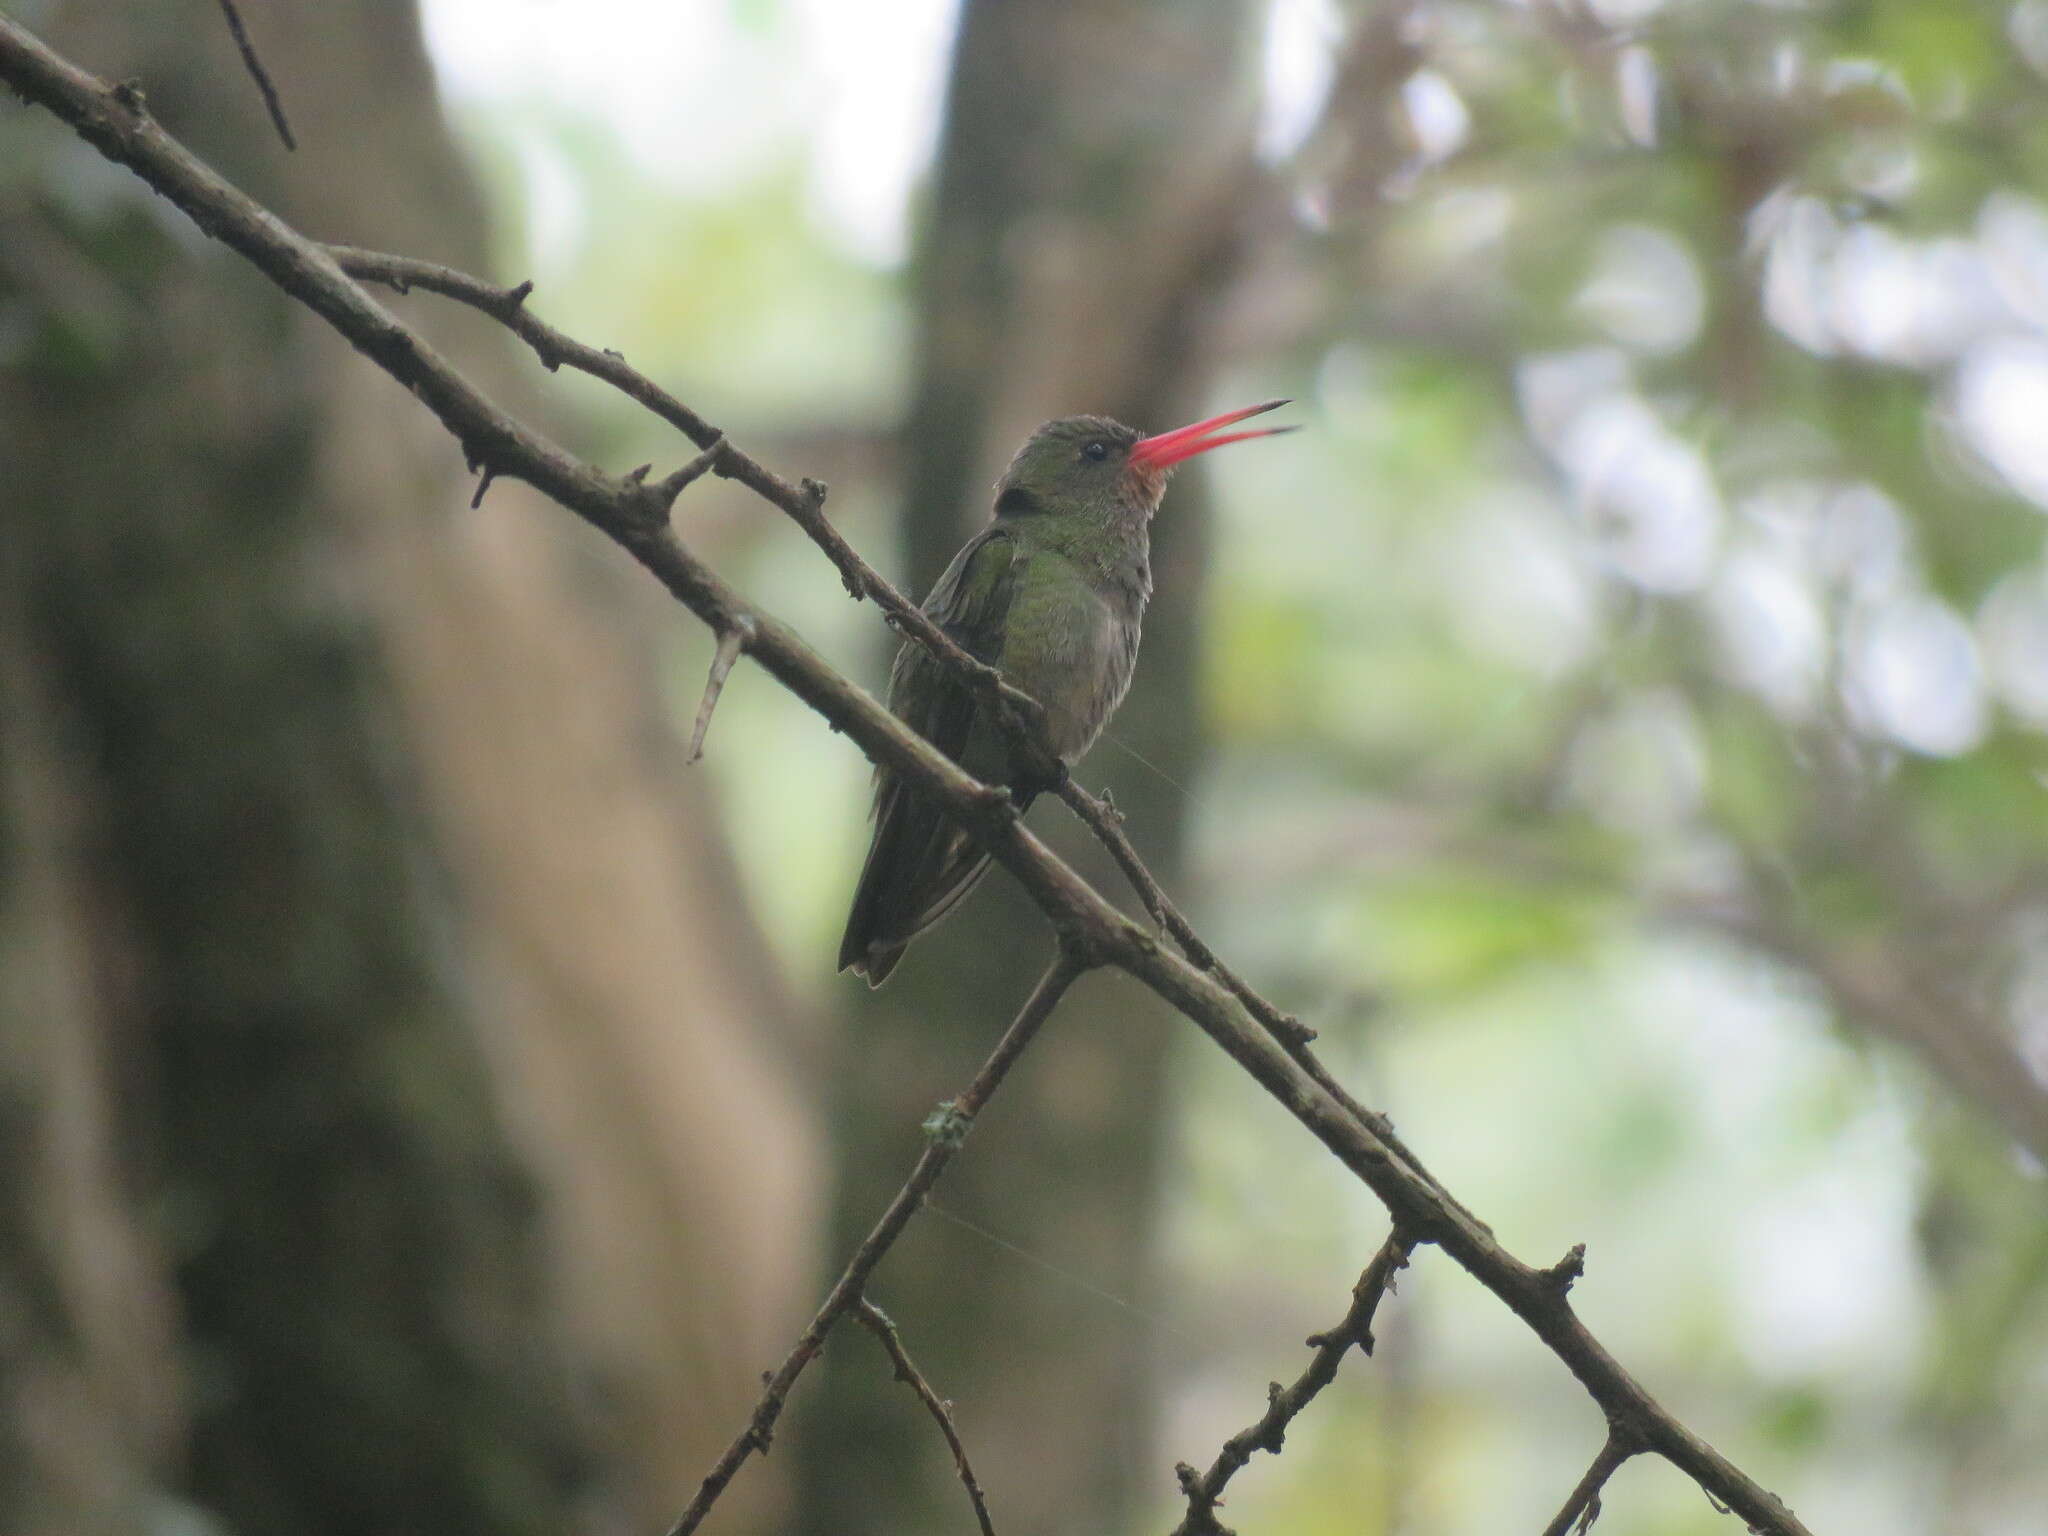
x=1051, y=593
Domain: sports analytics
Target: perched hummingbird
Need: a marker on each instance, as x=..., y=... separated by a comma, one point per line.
x=1052, y=593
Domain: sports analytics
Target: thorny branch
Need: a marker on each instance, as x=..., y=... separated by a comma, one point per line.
x=1583, y=1507
x=115, y=120
x=876, y=1321
x=730, y=643
x=945, y=1133
x=1204, y=1491
x=1107, y=823
x=1294, y=1037
x=804, y=502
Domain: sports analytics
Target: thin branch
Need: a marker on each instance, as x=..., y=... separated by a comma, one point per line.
x=258, y=73
x=1204, y=1491
x=681, y=480
x=1583, y=1507
x=945, y=1132
x=1103, y=819
x=115, y=121
x=803, y=502
x=730, y=643
x=876, y=1321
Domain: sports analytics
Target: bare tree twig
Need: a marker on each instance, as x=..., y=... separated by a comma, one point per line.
x=1204, y=1491
x=730, y=643
x=1583, y=1507
x=876, y=1321
x=259, y=74
x=945, y=1133
x=678, y=482
x=803, y=502
x=1102, y=818
x=115, y=121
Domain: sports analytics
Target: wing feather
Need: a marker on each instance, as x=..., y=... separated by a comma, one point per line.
x=920, y=865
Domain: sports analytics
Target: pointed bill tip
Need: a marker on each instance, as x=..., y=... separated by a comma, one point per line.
x=1165, y=449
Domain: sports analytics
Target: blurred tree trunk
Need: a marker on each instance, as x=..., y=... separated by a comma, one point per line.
x=1083, y=217
x=378, y=1033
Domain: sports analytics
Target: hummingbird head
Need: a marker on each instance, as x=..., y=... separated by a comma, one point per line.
x=1093, y=465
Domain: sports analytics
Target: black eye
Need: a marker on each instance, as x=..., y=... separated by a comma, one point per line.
x=1096, y=451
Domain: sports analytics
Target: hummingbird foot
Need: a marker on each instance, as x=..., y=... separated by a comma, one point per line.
x=1048, y=776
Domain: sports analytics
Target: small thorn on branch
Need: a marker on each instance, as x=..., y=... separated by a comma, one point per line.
x=1568, y=1269
x=1291, y=1031
x=518, y=294
x=733, y=639
x=1274, y=1440
x=638, y=474
x=483, y=483
x=669, y=489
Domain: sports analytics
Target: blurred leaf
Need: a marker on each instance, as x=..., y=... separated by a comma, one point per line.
x=1442, y=932
x=1798, y=1419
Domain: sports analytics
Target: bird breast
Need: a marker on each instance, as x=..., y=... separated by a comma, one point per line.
x=1073, y=648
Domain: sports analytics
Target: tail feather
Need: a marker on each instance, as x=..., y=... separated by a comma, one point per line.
x=919, y=868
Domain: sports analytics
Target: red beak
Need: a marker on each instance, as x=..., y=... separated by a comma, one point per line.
x=1166, y=449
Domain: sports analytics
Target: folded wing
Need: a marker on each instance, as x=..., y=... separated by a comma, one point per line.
x=920, y=864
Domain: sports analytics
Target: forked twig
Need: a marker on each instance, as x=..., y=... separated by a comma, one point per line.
x=945, y=1132
x=876, y=1321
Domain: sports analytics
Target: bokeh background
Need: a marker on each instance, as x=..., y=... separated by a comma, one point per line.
x=1616, y=723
